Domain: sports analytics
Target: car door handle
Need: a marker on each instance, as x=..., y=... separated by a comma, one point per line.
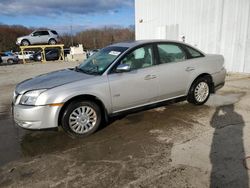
x=153, y=76
x=188, y=69
x=150, y=77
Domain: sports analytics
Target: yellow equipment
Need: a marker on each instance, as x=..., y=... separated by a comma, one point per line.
x=43, y=47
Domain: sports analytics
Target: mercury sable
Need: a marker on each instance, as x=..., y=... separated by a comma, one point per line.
x=118, y=79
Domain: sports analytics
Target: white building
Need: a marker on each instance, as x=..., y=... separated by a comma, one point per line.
x=214, y=26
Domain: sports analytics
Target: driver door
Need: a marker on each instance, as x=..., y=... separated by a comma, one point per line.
x=35, y=37
x=137, y=87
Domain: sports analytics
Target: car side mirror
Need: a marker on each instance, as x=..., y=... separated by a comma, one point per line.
x=123, y=68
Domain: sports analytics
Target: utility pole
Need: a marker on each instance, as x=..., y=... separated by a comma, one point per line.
x=94, y=41
x=71, y=35
x=71, y=30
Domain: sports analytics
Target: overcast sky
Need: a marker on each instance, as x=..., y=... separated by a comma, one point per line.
x=60, y=14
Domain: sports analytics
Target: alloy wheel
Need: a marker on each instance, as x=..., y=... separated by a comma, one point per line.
x=82, y=119
x=201, y=91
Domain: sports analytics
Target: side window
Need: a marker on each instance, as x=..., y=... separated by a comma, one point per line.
x=44, y=33
x=170, y=53
x=194, y=53
x=37, y=33
x=139, y=58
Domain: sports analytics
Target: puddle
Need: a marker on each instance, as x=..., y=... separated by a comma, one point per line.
x=129, y=133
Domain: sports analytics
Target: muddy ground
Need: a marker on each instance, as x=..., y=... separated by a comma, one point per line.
x=179, y=145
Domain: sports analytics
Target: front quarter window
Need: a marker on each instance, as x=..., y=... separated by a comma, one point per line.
x=101, y=60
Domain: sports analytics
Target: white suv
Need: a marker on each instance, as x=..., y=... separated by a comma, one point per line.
x=39, y=37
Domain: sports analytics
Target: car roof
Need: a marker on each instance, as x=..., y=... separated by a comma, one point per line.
x=130, y=44
x=44, y=30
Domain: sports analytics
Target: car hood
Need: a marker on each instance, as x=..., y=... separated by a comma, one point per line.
x=50, y=80
x=22, y=37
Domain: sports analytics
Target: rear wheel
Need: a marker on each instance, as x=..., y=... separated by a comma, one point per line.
x=25, y=42
x=52, y=41
x=200, y=91
x=81, y=118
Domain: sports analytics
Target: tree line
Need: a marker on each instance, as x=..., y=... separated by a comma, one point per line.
x=90, y=38
x=9, y=34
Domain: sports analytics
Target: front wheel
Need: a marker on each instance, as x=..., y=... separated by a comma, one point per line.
x=10, y=61
x=81, y=118
x=199, y=91
x=25, y=43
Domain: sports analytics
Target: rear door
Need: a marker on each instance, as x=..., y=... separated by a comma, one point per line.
x=137, y=87
x=44, y=37
x=174, y=70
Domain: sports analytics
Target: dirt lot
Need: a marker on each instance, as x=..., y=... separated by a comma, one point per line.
x=179, y=145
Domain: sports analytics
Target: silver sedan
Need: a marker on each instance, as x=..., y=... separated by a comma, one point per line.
x=121, y=78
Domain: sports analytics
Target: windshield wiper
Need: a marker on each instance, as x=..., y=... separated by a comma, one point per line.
x=77, y=69
x=87, y=71
x=93, y=70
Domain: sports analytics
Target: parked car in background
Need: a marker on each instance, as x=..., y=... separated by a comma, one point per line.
x=50, y=54
x=25, y=55
x=1, y=59
x=9, y=58
x=39, y=37
x=119, y=79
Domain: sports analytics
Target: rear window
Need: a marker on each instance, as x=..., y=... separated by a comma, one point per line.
x=54, y=32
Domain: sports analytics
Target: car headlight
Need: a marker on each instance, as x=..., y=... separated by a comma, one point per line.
x=30, y=97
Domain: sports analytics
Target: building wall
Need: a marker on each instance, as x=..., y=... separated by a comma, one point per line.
x=214, y=26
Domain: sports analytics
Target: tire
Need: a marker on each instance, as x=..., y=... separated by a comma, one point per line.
x=25, y=43
x=199, y=91
x=10, y=61
x=38, y=58
x=79, y=124
x=52, y=42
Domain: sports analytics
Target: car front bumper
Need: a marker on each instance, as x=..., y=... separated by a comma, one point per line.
x=36, y=117
x=18, y=43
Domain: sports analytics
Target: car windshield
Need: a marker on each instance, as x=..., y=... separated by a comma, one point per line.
x=100, y=61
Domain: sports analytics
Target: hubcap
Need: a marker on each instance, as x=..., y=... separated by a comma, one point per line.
x=10, y=61
x=25, y=43
x=52, y=42
x=82, y=119
x=201, y=92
